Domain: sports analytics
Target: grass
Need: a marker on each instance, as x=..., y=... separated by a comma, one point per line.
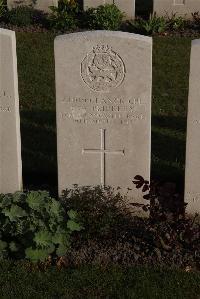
x=37, y=102
x=18, y=281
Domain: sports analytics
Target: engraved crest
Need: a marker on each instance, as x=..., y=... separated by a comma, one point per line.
x=102, y=69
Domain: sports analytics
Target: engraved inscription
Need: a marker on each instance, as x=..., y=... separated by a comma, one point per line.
x=103, y=151
x=5, y=109
x=192, y=196
x=102, y=69
x=178, y=2
x=103, y=110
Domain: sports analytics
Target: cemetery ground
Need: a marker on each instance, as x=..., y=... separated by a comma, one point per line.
x=37, y=103
x=17, y=281
x=38, y=129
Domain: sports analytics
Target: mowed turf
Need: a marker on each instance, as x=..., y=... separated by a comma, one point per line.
x=18, y=281
x=38, y=116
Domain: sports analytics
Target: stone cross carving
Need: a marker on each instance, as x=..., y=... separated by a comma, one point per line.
x=103, y=151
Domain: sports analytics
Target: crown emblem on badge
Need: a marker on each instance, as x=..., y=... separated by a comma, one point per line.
x=99, y=49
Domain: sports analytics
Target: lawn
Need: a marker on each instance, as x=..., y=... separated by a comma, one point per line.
x=18, y=281
x=37, y=101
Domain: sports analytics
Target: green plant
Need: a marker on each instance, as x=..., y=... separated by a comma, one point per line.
x=2, y=8
x=196, y=18
x=100, y=210
x=64, y=17
x=21, y=16
x=151, y=26
x=34, y=226
x=176, y=23
x=105, y=17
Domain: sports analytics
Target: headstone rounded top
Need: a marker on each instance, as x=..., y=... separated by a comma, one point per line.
x=7, y=32
x=104, y=33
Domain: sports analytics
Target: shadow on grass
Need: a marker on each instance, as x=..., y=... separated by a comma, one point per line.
x=39, y=153
x=168, y=148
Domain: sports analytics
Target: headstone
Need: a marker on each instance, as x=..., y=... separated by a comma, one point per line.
x=39, y=4
x=10, y=143
x=180, y=7
x=103, y=83
x=192, y=169
x=126, y=6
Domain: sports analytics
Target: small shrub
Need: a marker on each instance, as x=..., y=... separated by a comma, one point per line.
x=151, y=26
x=21, y=16
x=2, y=9
x=176, y=23
x=34, y=226
x=104, y=17
x=196, y=19
x=100, y=210
x=64, y=17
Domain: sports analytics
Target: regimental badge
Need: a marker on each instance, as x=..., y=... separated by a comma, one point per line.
x=102, y=69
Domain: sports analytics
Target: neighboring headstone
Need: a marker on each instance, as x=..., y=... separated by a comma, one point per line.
x=126, y=6
x=10, y=143
x=180, y=7
x=38, y=4
x=192, y=168
x=103, y=83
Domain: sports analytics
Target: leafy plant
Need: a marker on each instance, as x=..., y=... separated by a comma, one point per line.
x=2, y=8
x=196, y=18
x=176, y=23
x=164, y=201
x=34, y=226
x=100, y=210
x=64, y=17
x=105, y=17
x=21, y=16
x=153, y=25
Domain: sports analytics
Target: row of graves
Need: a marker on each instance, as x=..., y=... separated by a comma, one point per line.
x=103, y=96
x=161, y=7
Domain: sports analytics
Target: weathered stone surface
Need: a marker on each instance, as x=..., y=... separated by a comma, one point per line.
x=103, y=83
x=180, y=7
x=40, y=4
x=126, y=6
x=192, y=168
x=10, y=143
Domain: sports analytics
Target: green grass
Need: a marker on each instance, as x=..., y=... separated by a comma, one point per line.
x=18, y=281
x=37, y=101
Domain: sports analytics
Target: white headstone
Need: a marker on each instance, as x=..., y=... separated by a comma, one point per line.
x=10, y=143
x=103, y=83
x=192, y=168
x=126, y=6
x=180, y=7
x=40, y=4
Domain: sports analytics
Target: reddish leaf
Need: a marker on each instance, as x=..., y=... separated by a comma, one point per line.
x=145, y=188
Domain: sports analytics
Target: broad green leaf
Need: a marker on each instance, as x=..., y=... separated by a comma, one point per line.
x=35, y=200
x=43, y=238
x=14, y=212
x=73, y=226
x=72, y=214
x=61, y=250
x=61, y=238
x=36, y=255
